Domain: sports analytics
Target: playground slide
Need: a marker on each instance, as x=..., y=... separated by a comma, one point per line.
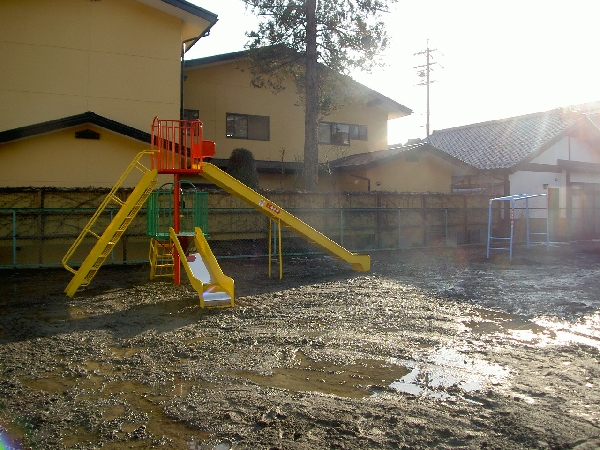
x=359, y=262
x=214, y=288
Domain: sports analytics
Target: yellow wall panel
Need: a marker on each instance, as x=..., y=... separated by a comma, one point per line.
x=426, y=175
x=138, y=78
x=45, y=69
x=59, y=160
x=136, y=29
x=66, y=57
x=27, y=108
x=50, y=23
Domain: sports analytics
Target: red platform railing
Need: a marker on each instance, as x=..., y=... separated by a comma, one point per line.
x=179, y=146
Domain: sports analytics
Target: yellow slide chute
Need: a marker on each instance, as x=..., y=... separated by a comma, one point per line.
x=359, y=262
x=214, y=288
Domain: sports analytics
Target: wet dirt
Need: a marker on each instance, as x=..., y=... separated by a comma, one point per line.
x=437, y=348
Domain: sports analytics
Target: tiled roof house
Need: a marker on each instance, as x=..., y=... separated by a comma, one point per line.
x=555, y=152
x=501, y=144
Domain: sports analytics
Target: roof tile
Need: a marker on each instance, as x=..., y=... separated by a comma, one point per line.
x=501, y=144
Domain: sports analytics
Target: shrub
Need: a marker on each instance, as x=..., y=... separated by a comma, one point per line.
x=242, y=166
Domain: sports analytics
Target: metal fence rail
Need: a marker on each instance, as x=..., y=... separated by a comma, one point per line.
x=39, y=237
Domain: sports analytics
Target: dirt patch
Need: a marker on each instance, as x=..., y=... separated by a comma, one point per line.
x=437, y=348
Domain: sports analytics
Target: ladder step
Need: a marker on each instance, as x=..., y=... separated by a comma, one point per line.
x=116, y=199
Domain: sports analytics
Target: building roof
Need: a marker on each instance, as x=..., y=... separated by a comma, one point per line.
x=369, y=160
x=232, y=56
x=197, y=21
x=182, y=9
x=501, y=144
x=73, y=121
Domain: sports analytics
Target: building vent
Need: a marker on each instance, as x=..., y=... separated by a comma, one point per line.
x=87, y=134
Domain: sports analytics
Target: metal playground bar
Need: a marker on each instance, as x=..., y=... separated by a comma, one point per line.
x=528, y=233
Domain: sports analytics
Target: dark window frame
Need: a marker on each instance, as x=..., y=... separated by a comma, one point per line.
x=191, y=114
x=338, y=134
x=247, y=126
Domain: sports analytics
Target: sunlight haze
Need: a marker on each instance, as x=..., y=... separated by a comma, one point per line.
x=494, y=59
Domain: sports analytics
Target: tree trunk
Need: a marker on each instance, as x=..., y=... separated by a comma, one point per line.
x=311, y=118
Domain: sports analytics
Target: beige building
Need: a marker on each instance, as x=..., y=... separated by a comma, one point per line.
x=82, y=81
x=410, y=168
x=218, y=90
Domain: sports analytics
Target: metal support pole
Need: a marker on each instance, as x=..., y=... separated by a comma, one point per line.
x=280, y=253
x=512, y=227
x=527, y=220
x=489, y=231
x=270, y=236
x=176, y=228
x=547, y=226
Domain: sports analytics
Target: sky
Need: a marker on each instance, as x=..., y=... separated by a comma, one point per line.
x=493, y=59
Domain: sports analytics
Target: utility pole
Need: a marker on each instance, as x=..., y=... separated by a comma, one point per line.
x=423, y=72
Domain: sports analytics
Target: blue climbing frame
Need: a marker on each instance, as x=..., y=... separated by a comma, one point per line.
x=512, y=199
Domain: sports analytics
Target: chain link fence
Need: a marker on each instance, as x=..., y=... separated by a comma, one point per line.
x=40, y=237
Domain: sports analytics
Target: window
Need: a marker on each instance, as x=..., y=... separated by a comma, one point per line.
x=191, y=114
x=324, y=133
x=245, y=126
x=341, y=133
x=358, y=132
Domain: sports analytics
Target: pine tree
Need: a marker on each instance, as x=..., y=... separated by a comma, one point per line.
x=314, y=41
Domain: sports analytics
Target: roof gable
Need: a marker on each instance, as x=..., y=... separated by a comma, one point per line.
x=398, y=110
x=72, y=121
x=365, y=161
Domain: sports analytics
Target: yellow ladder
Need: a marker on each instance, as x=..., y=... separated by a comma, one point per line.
x=115, y=229
x=161, y=259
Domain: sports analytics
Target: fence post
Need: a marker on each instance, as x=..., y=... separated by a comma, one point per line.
x=14, y=238
x=342, y=227
x=446, y=227
x=399, y=228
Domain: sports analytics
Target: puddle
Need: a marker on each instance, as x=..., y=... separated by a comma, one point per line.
x=490, y=322
x=585, y=331
x=125, y=352
x=445, y=373
x=541, y=331
x=351, y=381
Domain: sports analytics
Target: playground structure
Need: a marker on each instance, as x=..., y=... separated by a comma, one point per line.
x=530, y=236
x=178, y=149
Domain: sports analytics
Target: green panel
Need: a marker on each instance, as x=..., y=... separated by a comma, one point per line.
x=193, y=208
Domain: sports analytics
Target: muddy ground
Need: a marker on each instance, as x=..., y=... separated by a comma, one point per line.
x=438, y=348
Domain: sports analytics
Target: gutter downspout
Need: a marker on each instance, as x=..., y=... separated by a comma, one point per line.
x=184, y=50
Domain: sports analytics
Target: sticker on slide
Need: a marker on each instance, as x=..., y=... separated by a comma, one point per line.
x=268, y=205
